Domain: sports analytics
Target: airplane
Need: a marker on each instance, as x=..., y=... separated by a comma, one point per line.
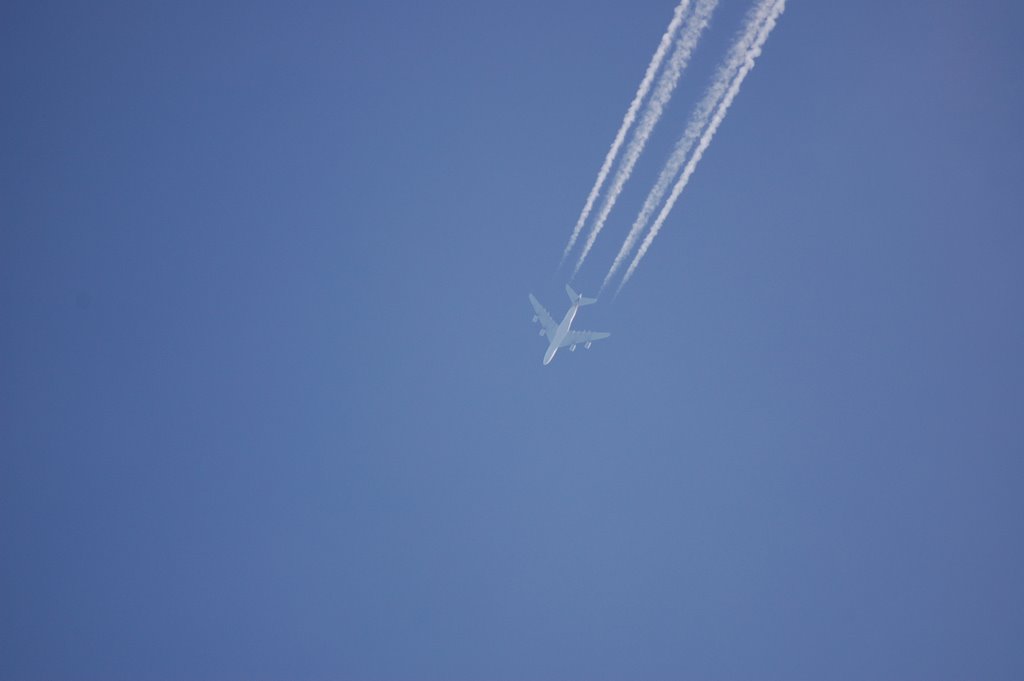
x=560, y=335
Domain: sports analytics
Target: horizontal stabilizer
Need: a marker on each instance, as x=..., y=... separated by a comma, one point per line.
x=573, y=296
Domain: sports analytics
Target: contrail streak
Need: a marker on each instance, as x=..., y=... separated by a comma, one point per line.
x=723, y=107
x=627, y=121
x=652, y=113
x=698, y=121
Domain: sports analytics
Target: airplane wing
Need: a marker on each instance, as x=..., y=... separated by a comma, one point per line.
x=577, y=337
x=543, y=317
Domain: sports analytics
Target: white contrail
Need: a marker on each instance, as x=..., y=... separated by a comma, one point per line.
x=698, y=121
x=652, y=112
x=709, y=133
x=634, y=106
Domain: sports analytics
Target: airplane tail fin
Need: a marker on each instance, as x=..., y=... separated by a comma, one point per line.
x=573, y=296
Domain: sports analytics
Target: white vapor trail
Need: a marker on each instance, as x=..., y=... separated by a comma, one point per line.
x=627, y=121
x=698, y=121
x=652, y=113
x=723, y=107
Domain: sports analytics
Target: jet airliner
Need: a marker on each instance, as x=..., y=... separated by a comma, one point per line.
x=561, y=335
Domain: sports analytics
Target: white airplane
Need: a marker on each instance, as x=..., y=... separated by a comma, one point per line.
x=560, y=335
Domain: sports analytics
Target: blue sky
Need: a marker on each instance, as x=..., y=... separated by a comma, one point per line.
x=273, y=407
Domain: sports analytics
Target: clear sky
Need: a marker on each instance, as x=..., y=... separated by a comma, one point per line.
x=272, y=407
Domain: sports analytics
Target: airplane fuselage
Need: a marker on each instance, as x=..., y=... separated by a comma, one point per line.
x=560, y=333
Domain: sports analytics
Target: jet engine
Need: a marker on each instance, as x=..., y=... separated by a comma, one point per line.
x=572, y=348
x=587, y=346
x=535, y=318
x=542, y=332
